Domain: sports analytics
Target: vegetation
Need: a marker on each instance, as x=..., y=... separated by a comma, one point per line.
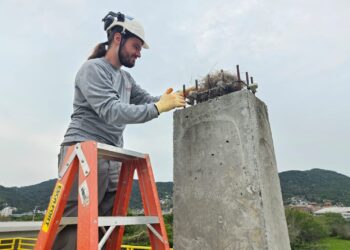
x=165, y=192
x=314, y=185
x=307, y=231
x=329, y=231
x=138, y=235
x=333, y=244
x=25, y=199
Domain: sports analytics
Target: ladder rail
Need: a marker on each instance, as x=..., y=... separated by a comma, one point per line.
x=106, y=236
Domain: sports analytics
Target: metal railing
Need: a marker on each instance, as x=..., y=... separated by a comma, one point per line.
x=29, y=243
x=17, y=243
x=127, y=247
x=7, y=243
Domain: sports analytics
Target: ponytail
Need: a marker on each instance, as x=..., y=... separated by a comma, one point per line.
x=99, y=51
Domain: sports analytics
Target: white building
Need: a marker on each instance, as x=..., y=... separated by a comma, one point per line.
x=344, y=211
x=7, y=211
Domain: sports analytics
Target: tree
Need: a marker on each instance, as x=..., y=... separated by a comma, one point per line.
x=334, y=223
x=303, y=228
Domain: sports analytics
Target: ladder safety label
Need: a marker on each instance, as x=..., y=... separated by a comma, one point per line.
x=52, y=206
x=84, y=194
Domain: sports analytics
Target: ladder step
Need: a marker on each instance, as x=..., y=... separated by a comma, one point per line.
x=120, y=154
x=126, y=220
x=115, y=220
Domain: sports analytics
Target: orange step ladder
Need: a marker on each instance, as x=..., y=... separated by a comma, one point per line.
x=81, y=159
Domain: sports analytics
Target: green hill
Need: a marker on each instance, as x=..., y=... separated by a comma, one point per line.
x=165, y=193
x=315, y=185
x=26, y=198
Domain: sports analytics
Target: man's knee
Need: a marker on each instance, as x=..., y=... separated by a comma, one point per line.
x=66, y=239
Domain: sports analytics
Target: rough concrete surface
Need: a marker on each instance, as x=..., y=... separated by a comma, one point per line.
x=226, y=187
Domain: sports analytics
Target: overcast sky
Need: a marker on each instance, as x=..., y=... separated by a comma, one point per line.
x=298, y=51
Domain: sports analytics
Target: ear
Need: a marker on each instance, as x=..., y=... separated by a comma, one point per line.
x=117, y=38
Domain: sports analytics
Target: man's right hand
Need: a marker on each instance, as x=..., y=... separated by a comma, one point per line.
x=170, y=100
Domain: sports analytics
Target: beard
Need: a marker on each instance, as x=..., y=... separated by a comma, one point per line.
x=125, y=58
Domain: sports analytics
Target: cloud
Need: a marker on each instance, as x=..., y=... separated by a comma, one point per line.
x=28, y=155
x=298, y=51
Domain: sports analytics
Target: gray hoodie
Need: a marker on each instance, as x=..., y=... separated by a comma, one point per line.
x=105, y=100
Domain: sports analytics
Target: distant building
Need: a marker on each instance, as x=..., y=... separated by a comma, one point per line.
x=327, y=203
x=40, y=212
x=297, y=201
x=301, y=204
x=314, y=206
x=22, y=214
x=344, y=211
x=310, y=208
x=7, y=211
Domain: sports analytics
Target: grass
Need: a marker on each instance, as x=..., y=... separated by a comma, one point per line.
x=330, y=243
x=334, y=244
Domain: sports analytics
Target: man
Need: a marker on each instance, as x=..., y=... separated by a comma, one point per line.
x=106, y=99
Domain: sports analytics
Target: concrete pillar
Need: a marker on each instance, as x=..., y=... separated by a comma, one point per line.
x=227, y=192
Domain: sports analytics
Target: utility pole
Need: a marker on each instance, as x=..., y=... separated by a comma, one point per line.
x=34, y=212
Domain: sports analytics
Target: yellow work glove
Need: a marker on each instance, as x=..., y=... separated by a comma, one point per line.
x=170, y=100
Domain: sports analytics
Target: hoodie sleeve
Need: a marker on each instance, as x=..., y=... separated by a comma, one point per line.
x=139, y=95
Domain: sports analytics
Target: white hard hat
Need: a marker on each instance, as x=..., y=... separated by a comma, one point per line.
x=128, y=23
